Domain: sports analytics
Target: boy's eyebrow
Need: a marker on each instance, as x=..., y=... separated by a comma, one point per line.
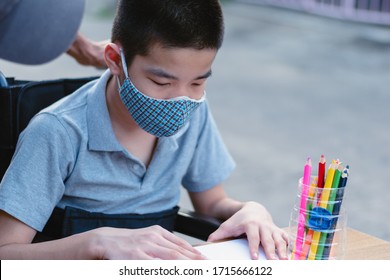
x=205, y=75
x=163, y=74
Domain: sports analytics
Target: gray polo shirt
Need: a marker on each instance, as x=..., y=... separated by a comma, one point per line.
x=69, y=156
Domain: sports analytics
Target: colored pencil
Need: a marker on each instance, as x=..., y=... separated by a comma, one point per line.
x=336, y=211
x=329, y=207
x=321, y=171
x=323, y=203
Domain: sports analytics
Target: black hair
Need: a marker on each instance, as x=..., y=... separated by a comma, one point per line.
x=139, y=24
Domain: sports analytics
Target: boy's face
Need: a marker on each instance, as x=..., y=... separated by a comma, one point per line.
x=171, y=72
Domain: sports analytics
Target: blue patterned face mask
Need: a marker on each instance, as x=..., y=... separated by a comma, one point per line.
x=159, y=117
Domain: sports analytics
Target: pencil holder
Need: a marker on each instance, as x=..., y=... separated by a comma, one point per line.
x=317, y=228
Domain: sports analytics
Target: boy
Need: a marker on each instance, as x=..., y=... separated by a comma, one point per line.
x=124, y=144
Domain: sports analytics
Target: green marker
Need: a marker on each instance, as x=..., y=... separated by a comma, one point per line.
x=329, y=207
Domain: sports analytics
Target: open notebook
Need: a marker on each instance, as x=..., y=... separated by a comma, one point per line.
x=236, y=249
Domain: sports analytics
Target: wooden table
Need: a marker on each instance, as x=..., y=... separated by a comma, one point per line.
x=361, y=246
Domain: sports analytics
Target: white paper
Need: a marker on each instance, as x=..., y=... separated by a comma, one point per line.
x=236, y=249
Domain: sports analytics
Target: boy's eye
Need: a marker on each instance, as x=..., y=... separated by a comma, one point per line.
x=160, y=84
x=199, y=83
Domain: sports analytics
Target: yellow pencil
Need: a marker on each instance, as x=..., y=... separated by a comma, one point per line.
x=323, y=204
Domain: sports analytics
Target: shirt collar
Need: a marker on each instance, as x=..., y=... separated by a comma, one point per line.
x=101, y=136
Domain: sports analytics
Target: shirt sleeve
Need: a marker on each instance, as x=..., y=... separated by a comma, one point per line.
x=34, y=181
x=211, y=163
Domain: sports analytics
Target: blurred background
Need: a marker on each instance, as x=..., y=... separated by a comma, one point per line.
x=293, y=79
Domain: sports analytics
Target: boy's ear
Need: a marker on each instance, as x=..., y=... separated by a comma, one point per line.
x=113, y=59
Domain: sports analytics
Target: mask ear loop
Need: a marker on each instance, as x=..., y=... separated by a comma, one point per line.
x=124, y=66
x=124, y=63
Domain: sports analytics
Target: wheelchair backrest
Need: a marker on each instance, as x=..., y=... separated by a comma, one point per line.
x=20, y=101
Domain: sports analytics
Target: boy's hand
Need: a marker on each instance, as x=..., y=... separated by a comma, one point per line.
x=254, y=221
x=147, y=243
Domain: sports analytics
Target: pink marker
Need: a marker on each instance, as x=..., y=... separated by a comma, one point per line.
x=302, y=209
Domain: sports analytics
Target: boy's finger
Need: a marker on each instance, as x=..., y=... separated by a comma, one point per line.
x=281, y=246
x=216, y=235
x=253, y=237
x=220, y=233
x=268, y=244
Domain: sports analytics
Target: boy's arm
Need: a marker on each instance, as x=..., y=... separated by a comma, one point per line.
x=249, y=218
x=16, y=238
x=102, y=243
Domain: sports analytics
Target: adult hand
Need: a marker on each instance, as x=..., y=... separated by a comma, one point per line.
x=147, y=243
x=88, y=52
x=256, y=223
